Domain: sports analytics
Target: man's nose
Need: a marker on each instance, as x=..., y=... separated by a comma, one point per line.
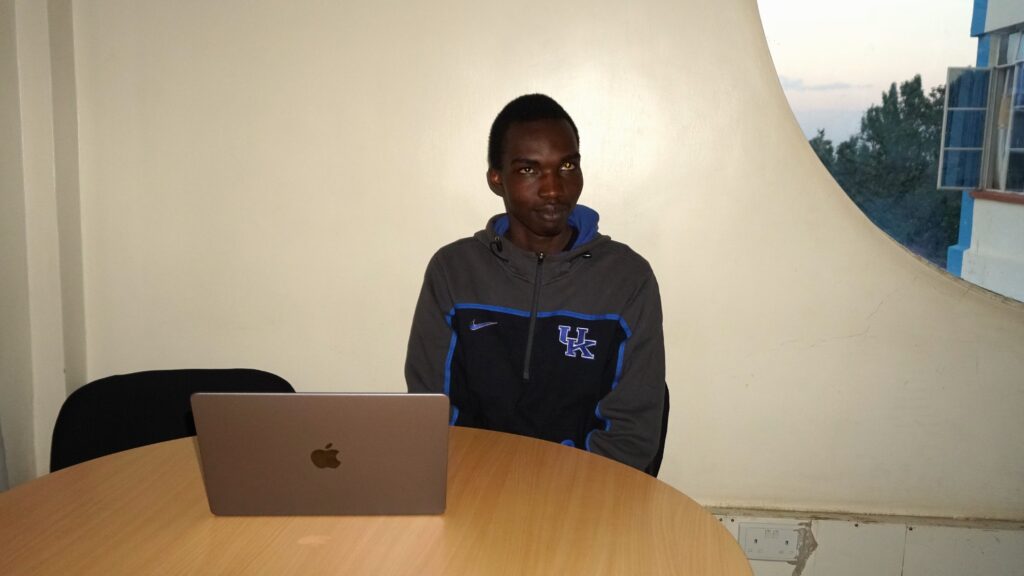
x=551, y=185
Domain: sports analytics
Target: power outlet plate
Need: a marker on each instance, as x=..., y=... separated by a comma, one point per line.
x=764, y=541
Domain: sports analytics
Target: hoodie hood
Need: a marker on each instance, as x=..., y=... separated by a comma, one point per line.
x=523, y=264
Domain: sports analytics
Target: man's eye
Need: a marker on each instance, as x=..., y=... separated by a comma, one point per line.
x=568, y=166
x=526, y=170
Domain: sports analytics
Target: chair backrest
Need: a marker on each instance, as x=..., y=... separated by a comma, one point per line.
x=131, y=410
x=3, y=463
x=655, y=464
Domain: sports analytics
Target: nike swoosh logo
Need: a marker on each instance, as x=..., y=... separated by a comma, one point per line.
x=474, y=326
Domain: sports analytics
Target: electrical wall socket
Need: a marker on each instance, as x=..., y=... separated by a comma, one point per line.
x=764, y=541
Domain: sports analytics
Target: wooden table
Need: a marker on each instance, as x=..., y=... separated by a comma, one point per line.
x=515, y=506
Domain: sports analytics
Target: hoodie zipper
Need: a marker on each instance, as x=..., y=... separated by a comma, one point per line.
x=533, y=318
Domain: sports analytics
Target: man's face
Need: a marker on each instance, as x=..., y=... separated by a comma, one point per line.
x=540, y=181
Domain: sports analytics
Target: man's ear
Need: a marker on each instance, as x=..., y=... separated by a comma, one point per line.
x=494, y=182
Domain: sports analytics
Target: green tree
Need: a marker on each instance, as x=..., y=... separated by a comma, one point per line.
x=889, y=169
x=823, y=148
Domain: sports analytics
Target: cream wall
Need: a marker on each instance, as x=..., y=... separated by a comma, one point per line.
x=68, y=198
x=15, y=331
x=33, y=371
x=262, y=185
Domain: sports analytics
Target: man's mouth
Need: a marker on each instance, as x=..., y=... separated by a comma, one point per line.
x=552, y=212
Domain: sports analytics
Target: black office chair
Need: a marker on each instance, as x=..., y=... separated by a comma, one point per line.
x=655, y=464
x=131, y=410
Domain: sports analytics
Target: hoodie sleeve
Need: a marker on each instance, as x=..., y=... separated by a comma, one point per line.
x=431, y=337
x=633, y=409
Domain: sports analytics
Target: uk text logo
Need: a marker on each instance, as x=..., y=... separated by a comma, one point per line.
x=578, y=344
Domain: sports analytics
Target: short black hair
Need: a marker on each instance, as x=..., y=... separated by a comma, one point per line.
x=528, y=108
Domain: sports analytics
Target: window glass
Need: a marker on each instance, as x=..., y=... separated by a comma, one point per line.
x=964, y=136
x=960, y=168
x=1015, y=147
x=965, y=128
x=1018, y=99
x=1002, y=47
x=1015, y=172
x=968, y=88
x=1013, y=46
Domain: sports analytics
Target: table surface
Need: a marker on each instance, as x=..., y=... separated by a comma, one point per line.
x=515, y=506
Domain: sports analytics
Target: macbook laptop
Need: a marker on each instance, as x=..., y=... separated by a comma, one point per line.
x=314, y=454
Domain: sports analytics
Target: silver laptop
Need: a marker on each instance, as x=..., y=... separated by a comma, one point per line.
x=313, y=454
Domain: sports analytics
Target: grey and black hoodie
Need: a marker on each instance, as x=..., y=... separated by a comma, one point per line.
x=565, y=347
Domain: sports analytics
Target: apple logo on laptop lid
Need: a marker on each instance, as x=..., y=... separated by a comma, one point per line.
x=325, y=457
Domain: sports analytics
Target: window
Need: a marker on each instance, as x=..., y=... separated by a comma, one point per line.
x=983, y=124
x=963, y=129
x=1007, y=169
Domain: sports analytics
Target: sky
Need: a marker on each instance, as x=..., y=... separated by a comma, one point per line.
x=836, y=57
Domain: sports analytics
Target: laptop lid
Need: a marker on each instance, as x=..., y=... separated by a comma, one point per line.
x=323, y=453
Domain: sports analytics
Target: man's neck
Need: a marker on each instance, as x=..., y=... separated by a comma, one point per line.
x=544, y=244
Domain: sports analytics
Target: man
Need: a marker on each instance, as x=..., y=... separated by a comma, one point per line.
x=539, y=325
